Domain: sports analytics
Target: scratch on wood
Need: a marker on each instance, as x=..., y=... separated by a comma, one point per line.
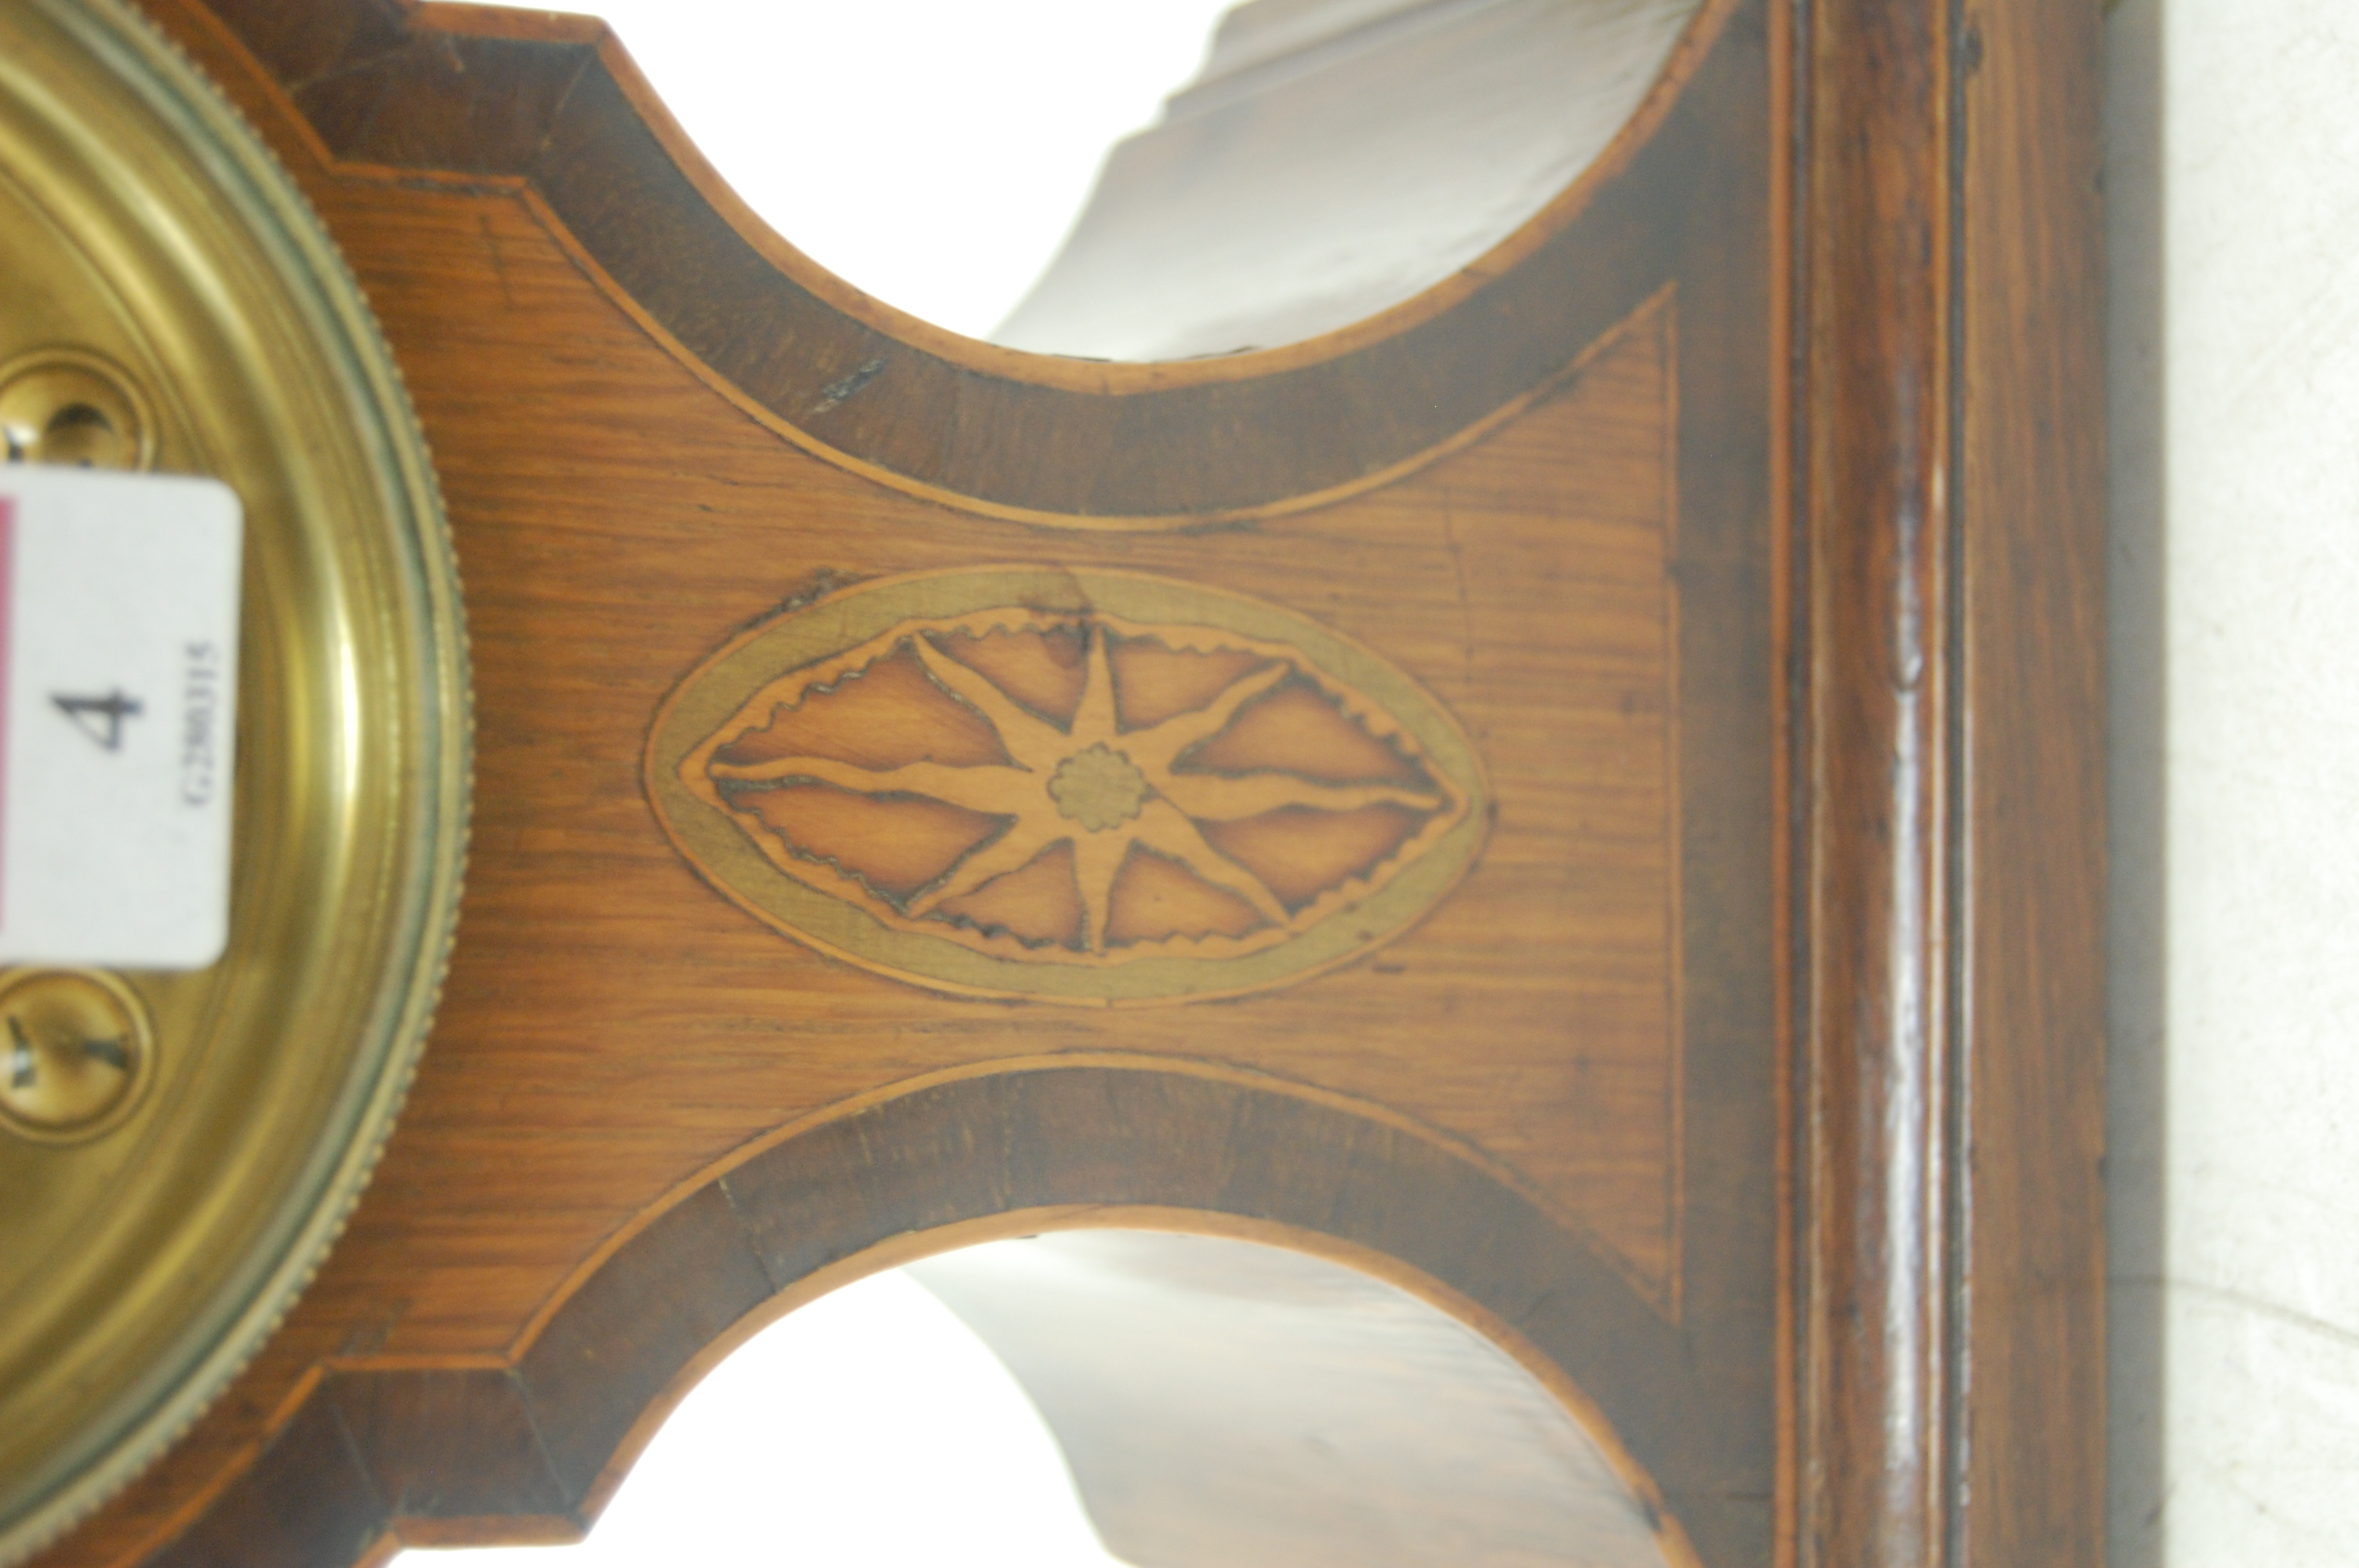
x=835, y=393
x=499, y=263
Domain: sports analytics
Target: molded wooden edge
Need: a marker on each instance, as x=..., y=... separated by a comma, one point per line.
x=2031, y=479
x=1949, y=972
x=531, y=1448
x=1788, y=686
x=1876, y=1203
x=382, y=94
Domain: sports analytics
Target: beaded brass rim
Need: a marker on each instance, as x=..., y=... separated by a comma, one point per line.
x=167, y=301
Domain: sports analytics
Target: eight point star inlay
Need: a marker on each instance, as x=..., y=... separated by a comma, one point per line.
x=1093, y=784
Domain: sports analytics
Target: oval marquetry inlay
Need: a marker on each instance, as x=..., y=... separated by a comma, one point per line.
x=1080, y=786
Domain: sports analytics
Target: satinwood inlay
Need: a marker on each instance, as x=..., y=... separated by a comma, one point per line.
x=1086, y=786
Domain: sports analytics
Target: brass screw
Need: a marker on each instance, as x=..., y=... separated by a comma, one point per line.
x=73, y=407
x=76, y=1054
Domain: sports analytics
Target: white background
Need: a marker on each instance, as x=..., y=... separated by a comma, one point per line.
x=2233, y=180
x=932, y=152
x=871, y=1429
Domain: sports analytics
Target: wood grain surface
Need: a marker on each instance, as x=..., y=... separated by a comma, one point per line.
x=1880, y=1209
x=1729, y=510
x=2031, y=640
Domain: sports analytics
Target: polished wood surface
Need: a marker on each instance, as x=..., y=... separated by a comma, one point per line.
x=1877, y=1203
x=2031, y=474
x=1731, y=511
x=1951, y=1200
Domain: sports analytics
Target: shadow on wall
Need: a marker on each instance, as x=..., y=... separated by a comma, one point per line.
x=2137, y=799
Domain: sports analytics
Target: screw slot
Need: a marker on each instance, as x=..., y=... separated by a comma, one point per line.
x=76, y=1054
x=76, y=408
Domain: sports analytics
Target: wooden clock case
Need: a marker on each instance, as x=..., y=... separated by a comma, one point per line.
x=1718, y=560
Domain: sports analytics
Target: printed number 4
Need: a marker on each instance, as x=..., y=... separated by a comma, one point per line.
x=100, y=718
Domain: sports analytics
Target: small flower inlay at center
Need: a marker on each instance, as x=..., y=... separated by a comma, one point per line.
x=1098, y=788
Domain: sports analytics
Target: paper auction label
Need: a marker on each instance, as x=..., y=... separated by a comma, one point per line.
x=119, y=673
